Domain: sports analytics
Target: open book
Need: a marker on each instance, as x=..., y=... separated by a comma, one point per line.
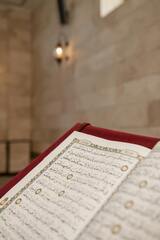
x=87, y=188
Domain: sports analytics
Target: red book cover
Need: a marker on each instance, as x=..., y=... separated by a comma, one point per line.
x=88, y=129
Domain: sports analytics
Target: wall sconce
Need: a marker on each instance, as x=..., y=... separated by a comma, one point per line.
x=61, y=52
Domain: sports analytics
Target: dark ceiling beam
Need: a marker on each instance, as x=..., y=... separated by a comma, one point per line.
x=63, y=12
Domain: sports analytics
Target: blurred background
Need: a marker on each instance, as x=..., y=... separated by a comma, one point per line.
x=68, y=61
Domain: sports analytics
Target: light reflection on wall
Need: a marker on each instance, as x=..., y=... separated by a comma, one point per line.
x=108, y=6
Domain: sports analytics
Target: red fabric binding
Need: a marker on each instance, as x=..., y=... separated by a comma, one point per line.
x=20, y=175
x=85, y=128
x=121, y=136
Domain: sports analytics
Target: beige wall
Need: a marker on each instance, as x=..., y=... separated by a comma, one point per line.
x=49, y=82
x=114, y=78
x=15, y=74
x=15, y=77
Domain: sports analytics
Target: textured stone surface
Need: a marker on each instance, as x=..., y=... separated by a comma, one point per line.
x=19, y=75
x=19, y=156
x=113, y=79
x=154, y=113
x=15, y=81
x=2, y=157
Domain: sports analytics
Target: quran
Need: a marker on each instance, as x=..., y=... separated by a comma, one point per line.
x=90, y=184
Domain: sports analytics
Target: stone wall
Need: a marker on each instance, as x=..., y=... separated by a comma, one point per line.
x=15, y=86
x=113, y=80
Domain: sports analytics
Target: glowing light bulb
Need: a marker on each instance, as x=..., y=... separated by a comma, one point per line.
x=59, y=51
x=62, y=51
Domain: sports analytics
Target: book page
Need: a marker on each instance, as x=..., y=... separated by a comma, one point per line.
x=134, y=211
x=61, y=195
